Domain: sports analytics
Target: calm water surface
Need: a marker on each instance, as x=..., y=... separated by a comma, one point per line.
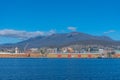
x=59, y=69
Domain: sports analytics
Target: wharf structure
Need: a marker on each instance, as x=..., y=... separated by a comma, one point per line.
x=59, y=53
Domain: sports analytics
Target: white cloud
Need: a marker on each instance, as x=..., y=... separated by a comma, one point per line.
x=51, y=32
x=20, y=34
x=110, y=31
x=72, y=28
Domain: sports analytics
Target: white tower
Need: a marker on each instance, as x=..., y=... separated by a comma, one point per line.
x=16, y=50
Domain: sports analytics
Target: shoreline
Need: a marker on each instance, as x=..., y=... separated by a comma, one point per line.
x=55, y=55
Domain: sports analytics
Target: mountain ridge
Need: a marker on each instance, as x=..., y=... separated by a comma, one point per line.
x=62, y=40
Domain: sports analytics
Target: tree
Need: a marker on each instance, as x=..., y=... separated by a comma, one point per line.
x=43, y=51
x=111, y=54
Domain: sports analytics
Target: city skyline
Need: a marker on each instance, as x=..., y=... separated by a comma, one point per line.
x=20, y=19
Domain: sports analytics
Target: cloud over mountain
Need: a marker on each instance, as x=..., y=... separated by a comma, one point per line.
x=72, y=28
x=20, y=34
x=110, y=31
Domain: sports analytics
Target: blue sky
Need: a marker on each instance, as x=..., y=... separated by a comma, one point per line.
x=38, y=17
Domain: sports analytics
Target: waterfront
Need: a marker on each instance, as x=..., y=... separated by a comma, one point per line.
x=59, y=55
x=59, y=69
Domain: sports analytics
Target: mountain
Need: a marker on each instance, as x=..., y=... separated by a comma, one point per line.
x=63, y=39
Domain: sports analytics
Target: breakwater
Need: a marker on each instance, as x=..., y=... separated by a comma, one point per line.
x=53, y=55
x=38, y=55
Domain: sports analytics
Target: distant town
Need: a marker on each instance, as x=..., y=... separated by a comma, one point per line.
x=64, y=45
x=73, y=51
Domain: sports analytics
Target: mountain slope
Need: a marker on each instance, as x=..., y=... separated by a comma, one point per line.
x=58, y=40
x=64, y=39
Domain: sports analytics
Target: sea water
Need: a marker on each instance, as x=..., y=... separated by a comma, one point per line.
x=59, y=69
